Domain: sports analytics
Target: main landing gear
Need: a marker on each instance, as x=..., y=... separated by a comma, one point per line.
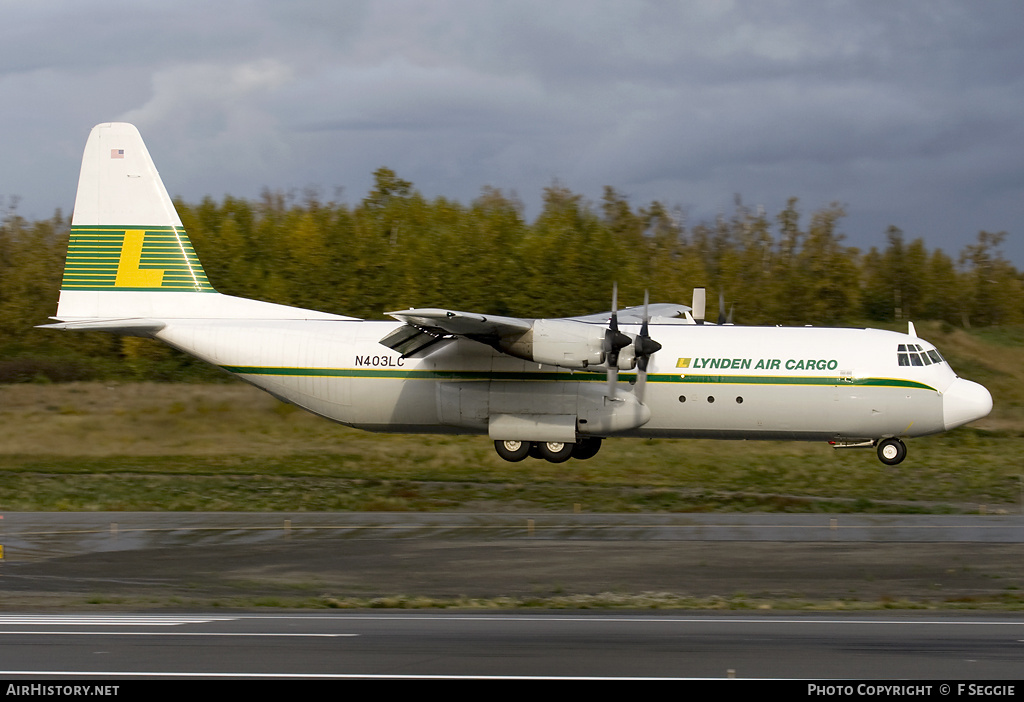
x=553, y=451
x=891, y=451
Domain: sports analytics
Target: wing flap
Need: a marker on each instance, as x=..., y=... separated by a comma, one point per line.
x=425, y=327
x=409, y=340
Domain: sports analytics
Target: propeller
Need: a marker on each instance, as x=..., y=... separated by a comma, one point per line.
x=614, y=341
x=724, y=318
x=644, y=346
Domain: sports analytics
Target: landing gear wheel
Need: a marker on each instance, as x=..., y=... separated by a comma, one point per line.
x=586, y=448
x=555, y=451
x=891, y=451
x=512, y=451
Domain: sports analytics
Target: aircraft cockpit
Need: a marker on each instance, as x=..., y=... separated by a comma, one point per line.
x=915, y=355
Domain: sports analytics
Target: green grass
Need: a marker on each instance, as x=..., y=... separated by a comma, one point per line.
x=958, y=472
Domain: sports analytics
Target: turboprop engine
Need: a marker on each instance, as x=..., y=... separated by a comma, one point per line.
x=559, y=342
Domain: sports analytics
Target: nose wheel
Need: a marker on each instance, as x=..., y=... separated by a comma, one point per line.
x=891, y=451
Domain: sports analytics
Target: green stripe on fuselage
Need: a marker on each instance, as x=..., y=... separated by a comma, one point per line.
x=398, y=374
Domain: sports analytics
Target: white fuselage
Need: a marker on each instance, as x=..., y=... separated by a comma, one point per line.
x=709, y=381
x=131, y=269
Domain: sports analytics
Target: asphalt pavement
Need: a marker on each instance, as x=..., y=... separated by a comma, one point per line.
x=165, y=558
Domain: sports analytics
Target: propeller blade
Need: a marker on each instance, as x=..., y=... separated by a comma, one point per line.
x=613, y=380
x=614, y=341
x=721, y=308
x=644, y=346
x=647, y=316
x=641, y=385
x=641, y=357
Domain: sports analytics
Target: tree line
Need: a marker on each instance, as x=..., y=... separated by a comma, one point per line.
x=397, y=249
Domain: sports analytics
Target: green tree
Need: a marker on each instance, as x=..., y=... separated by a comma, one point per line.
x=992, y=285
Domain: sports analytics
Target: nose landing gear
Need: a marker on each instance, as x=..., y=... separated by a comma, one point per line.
x=891, y=451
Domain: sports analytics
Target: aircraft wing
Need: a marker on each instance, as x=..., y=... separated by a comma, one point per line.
x=462, y=323
x=635, y=315
x=425, y=327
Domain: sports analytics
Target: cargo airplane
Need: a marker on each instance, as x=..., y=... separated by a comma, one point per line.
x=546, y=388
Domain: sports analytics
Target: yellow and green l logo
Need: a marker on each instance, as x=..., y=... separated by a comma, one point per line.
x=136, y=258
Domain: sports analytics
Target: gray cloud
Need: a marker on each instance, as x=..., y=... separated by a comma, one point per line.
x=910, y=113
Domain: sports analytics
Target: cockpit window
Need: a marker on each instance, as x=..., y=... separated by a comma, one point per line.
x=915, y=355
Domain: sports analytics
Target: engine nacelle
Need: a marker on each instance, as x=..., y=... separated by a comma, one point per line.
x=559, y=342
x=627, y=356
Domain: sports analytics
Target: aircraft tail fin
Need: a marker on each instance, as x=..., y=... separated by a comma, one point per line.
x=128, y=254
x=125, y=233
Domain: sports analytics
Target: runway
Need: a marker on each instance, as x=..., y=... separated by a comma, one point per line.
x=509, y=646
x=143, y=595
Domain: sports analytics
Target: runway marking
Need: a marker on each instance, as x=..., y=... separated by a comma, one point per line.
x=109, y=619
x=136, y=620
x=166, y=633
x=633, y=619
x=131, y=620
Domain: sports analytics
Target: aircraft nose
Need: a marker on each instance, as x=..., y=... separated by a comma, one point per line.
x=965, y=401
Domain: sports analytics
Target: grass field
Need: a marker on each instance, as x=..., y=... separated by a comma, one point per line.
x=229, y=447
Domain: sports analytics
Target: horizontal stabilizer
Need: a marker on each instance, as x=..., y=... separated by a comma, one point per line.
x=128, y=327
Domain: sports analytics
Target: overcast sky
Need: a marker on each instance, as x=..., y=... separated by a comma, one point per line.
x=909, y=113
